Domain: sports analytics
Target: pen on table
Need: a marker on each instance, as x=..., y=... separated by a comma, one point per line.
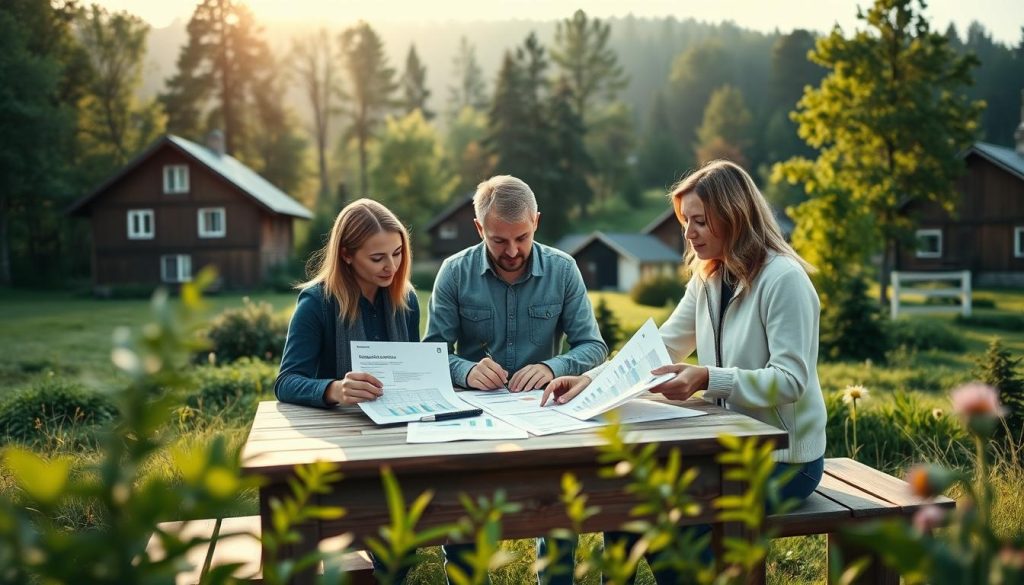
x=450, y=415
x=488, y=355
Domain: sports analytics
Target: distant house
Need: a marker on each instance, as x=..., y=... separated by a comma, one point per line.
x=178, y=207
x=452, y=230
x=618, y=261
x=986, y=234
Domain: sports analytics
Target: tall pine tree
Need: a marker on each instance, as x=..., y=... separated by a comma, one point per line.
x=469, y=89
x=590, y=66
x=371, y=85
x=414, y=85
x=313, y=61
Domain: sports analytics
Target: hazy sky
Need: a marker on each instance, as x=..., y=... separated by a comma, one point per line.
x=1003, y=18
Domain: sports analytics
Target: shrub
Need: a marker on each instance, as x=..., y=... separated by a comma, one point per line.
x=53, y=408
x=657, y=291
x=231, y=392
x=253, y=330
x=924, y=334
x=423, y=277
x=608, y=324
x=999, y=370
x=851, y=328
x=1001, y=322
x=283, y=276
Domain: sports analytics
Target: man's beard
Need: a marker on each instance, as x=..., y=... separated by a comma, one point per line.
x=507, y=264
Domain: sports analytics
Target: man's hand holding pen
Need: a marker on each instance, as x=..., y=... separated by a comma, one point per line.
x=488, y=375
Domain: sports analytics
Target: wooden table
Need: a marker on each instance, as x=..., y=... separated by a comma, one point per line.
x=529, y=470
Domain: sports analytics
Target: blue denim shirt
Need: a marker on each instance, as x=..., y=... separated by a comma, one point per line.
x=519, y=324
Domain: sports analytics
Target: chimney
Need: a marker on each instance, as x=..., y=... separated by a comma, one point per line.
x=215, y=142
x=1019, y=134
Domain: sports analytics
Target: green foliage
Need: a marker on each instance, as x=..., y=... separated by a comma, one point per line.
x=396, y=547
x=312, y=60
x=924, y=334
x=657, y=291
x=252, y=330
x=608, y=324
x=894, y=433
x=414, y=85
x=967, y=549
x=851, y=327
x=223, y=42
x=371, y=84
x=470, y=89
x=464, y=147
x=659, y=163
x=1000, y=370
x=410, y=176
x=696, y=73
x=113, y=124
x=725, y=131
x=483, y=521
x=36, y=548
x=586, y=61
x=888, y=121
x=999, y=322
x=53, y=411
x=231, y=392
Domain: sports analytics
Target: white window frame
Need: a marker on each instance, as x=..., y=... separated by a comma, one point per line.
x=1018, y=242
x=449, y=231
x=183, y=264
x=919, y=235
x=175, y=179
x=204, y=231
x=145, y=216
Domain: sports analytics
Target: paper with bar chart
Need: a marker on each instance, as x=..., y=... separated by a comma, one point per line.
x=627, y=375
x=415, y=378
x=523, y=410
x=477, y=428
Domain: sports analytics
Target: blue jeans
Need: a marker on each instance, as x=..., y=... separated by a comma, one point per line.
x=798, y=488
x=563, y=566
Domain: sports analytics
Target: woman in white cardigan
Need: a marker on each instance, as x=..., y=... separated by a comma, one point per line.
x=751, y=313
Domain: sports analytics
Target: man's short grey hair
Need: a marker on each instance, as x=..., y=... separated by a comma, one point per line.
x=509, y=198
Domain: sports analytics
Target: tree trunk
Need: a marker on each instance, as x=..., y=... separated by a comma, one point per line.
x=883, y=278
x=5, y=247
x=362, y=166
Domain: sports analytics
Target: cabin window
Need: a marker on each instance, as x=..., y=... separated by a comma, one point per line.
x=176, y=268
x=176, y=179
x=140, y=224
x=1018, y=242
x=211, y=222
x=929, y=243
x=448, y=231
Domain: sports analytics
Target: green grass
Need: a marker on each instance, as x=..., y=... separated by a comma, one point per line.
x=615, y=215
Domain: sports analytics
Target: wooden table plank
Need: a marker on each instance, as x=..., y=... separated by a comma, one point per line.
x=879, y=484
x=860, y=503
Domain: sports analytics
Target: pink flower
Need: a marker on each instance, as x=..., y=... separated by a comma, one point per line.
x=976, y=399
x=929, y=518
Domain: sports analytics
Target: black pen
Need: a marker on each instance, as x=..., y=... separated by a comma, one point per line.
x=450, y=415
x=488, y=355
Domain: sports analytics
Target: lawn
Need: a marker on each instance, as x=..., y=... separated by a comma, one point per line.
x=58, y=334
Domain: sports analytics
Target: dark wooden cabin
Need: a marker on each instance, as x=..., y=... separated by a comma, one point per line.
x=180, y=206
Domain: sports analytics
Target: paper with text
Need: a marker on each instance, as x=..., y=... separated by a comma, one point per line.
x=415, y=377
x=478, y=428
x=627, y=375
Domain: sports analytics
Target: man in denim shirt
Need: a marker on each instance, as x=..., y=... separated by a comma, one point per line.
x=503, y=305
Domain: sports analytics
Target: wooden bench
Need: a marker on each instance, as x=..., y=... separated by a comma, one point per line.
x=849, y=493
x=241, y=544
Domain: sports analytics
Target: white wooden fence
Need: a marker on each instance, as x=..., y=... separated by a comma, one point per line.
x=964, y=292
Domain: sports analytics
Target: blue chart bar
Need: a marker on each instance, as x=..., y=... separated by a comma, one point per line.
x=489, y=423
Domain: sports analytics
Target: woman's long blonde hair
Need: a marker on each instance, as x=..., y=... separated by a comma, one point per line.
x=356, y=223
x=737, y=212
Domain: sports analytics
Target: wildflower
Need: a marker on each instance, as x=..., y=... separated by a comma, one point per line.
x=929, y=518
x=976, y=399
x=929, y=480
x=854, y=393
x=938, y=413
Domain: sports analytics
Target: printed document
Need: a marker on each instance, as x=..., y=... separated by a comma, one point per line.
x=478, y=428
x=524, y=411
x=415, y=376
x=627, y=375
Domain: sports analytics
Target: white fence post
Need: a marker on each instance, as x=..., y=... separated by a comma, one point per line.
x=894, y=298
x=963, y=292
